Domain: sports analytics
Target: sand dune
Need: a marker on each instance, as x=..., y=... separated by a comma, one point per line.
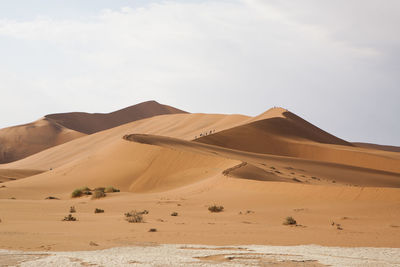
x=89, y=123
x=130, y=166
x=279, y=132
x=261, y=169
x=21, y=141
x=184, y=126
x=276, y=168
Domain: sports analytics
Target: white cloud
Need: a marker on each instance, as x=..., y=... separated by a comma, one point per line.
x=212, y=56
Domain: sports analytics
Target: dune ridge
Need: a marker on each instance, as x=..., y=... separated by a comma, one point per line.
x=90, y=123
x=283, y=133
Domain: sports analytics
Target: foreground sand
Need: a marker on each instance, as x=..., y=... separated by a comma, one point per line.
x=254, y=212
x=195, y=255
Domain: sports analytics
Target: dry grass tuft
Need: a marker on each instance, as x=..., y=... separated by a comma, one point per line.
x=290, y=221
x=215, y=208
x=134, y=216
x=69, y=218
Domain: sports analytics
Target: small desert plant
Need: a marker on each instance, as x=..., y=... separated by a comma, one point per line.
x=69, y=218
x=215, y=208
x=50, y=197
x=81, y=191
x=174, y=214
x=111, y=189
x=98, y=194
x=77, y=193
x=134, y=216
x=98, y=210
x=100, y=189
x=152, y=230
x=290, y=221
x=72, y=209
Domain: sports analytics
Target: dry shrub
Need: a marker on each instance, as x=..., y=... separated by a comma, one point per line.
x=98, y=210
x=69, y=218
x=111, y=189
x=98, y=194
x=215, y=208
x=134, y=216
x=290, y=221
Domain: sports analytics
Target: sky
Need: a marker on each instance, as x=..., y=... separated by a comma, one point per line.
x=334, y=63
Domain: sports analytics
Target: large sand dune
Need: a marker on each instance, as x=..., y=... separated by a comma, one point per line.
x=24, y=140
x=261, y=169
x=285, y=134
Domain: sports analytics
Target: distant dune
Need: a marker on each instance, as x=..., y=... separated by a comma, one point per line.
x=24, y=140
x=90, y=123
x=379, y=147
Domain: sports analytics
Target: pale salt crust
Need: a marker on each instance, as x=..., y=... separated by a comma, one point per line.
x=188, y=255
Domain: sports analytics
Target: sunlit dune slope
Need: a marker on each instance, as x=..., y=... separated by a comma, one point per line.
x=91, y=123
x=128, y=166
x=185, y=126
x=280, y=132
x=266, y=167
x=21, y=141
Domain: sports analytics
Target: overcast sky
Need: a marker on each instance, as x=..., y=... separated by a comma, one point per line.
x=334, y=63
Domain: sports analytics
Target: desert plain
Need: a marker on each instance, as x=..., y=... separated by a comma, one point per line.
x=165, y=161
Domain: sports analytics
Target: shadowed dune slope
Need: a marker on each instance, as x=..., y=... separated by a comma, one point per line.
x=24, y=140
x=91, y=123
x=285, y=134
x=7, y=175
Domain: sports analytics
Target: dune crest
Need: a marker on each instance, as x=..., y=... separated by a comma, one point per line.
x=90, y=123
